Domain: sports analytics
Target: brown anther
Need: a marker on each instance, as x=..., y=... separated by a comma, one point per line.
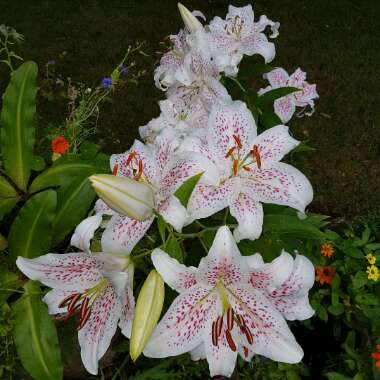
x=230, y=318
x=214, y=335
x=84, y=319
x=139, y=172
x=230, y=341
x=219, y=325
x=230, y=151
x=235, y=167
x=248, y=334
x=84, y=307
x=237, y=141
x=131, y=156
x=240, y=321
x=256, y=154
x=246, y=168
x=115, y=169
x=73, y=302
x=245, y=349
x=66, y=300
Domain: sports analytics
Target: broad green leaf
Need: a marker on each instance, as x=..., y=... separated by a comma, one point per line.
x=3, y=243
x=37, y=163
x=269, y=120
x=7, y=204
x=61, y=173
x=287, y=224
x=30, y=234
x=18, y=117
x=183, y=193
x=9, y=281
x=173, y=248
x=336, y=310
x=353, y=252
x=373, y=246
x=148, y=310
x=6, y=189
x=35, y=336
x=272, y=95
x=336, y=376
x=73, y=204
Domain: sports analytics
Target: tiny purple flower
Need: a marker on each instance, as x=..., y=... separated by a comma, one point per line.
x=123, y=69
x=107, y=82
x=51, y=62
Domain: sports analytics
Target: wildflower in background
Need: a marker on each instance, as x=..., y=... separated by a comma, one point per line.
x=51, y=62
x=376, y=356
x=107, y=82
x=325, y=275
x=60, y=145
x=123, y=69
x=371, y=258
x=373, y=273
x=327, y=250
x=223, y=308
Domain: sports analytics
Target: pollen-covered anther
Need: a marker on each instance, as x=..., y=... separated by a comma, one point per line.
x=235, y=167
x=237, y=141
x=66, y=301
x=230, y=151
x=248, y=334
x=131, y=156
x=245, y=349
x=230, y=318
x=219, y=325
x=73, y=303
x=230, y=341
x=213, y=334
x=256, y=155
x=139, y=172
x=246, y=168
x=84, y=316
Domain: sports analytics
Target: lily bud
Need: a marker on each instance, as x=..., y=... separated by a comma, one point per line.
x=191, y=22
x=124, y=195
x=148, y=309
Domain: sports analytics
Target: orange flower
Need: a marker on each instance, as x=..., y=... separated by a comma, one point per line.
x=327, y=250
x=376, y=356
x=60, y=145
x=324, y=275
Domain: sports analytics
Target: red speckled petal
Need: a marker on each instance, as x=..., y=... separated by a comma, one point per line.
x=226, y=121
x=277, y=77
x=127, y=313
x=272, y=337
x=181, y=329
x=284, y=108
x=69, y=271
x=123, y=233
x=176, y=275
x=223, y=261
x=95, y=337
x=280, y=184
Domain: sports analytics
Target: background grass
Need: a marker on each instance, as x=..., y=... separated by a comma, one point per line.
x=335, y=42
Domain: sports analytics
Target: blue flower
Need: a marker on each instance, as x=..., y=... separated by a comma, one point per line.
x=107, y=82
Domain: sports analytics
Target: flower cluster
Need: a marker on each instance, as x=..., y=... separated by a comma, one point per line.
x=230, y=304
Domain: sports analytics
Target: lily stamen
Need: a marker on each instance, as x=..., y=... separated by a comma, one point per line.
x=139, y=172
x=115, y=169
x=236, y=167
x=230, y=341
x=230, y=151
x=237, y=141
x=256, y=155
x=230, y=318
x=131, y=156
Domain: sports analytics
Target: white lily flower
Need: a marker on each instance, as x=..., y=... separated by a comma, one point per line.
x=155, y=166
x=249, y=170
x=285, y=107
x=95, y=287
x=239, y=35
x=125, y=195
x=223, y=309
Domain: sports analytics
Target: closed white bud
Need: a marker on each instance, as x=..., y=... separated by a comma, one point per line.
x=192, y=24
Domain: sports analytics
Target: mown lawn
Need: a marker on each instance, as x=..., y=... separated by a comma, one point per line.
x=336, y=42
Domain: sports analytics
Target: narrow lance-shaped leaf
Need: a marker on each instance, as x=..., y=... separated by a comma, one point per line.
x=35, y=336
x=18, y=117
x=8, y=197
x=272, y=95
x=148, y=309
x=31, y=232
x=183, y=193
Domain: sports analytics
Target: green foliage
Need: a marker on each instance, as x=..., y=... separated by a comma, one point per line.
x=18, y=117
x=183, y=193
x=34, y=224
x=36, y=336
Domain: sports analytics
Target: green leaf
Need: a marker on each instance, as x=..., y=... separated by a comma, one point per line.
x=288, y=224
x=61, y=173
x=7, y=204
x=373, y=246
x=360, y=279
x=303, y=147
x=18, y=118
x=8, y=281
x=272, y=95
x=269, y=120
x=6, y=189
x=336, y=376
x=353, y=252
x=74, y=202
x=35, y=336
x=173, y=248
x=183, y=193
x=37, y=163
x=336, y=310
x=161, y=224
x=30, y=234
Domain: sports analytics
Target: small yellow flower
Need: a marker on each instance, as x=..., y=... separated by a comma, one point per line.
x=327, y=250
x=371, y=258
x=373, y=273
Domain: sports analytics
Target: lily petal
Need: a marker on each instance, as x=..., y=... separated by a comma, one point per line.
x=284, y=108
x=95, y=337
x=181, y=328
x=249, y=214
x=176, y=275
x=198, y=353
x=277, y=77
x=123, y=233
x=127, y=313
x=53, y=298
x=69, y=271
x=84, y=232
x=173, y=212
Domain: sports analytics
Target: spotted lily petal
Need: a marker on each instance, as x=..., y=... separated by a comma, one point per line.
x=84, y=232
